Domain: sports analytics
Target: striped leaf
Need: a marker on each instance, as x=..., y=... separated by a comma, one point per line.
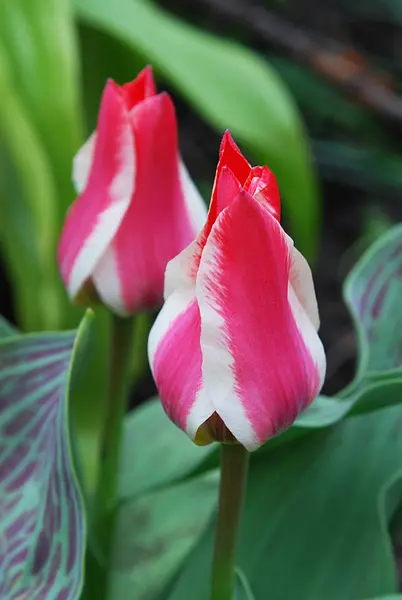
x=42, y=525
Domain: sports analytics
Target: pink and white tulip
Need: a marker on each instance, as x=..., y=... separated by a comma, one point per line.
x=235, y=351
x=137, y=206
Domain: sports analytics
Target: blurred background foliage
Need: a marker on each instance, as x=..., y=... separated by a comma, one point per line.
x=312, y=92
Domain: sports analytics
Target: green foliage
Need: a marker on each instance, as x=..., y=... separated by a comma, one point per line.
x=314, y=510
x=41, y=130
x=322, y=494
x=42, y=517
x=243, y=590
x=166, y=454
x=372, y=292
x=165, y=526
x=211, y=73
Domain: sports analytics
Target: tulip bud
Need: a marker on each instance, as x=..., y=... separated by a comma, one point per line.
x=137, y=206
x=235, y=351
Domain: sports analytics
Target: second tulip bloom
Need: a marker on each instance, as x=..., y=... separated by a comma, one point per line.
x=137, y=206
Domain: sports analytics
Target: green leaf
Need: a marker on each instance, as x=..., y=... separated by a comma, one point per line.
x=156, y=532
x=373, y=291
x=317, y=509
x=243, y=589
x=162, y=452
x=43, y=30
x=167, y=455
x=42, y=515
x=232, y=88
x=370, y=169
x=329, y=103
x=6, y=329
x=28, y=225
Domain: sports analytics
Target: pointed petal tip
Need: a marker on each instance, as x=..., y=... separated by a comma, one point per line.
x=227, y=140
x=146, y=77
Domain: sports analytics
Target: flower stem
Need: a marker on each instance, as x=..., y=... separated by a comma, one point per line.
x=234, y=465
x=119, y=379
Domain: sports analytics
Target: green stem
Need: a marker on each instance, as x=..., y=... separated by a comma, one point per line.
x=119, y=379
x=234, y=464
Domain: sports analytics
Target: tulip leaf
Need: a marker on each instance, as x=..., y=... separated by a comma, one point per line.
x=166, y=453
x=317, y=508
x=6, y=329
x=232, y=88
x=28, y=228
x=373, y=291
x=172, y=456
x=166, y=526
x=243, y=590
x=42, y=520
x=48, y=81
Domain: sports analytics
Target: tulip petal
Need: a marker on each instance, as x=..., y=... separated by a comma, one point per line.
x=175, y=358
x=105, y=277
x=230, y=156
x=133, y=92
x=157, y=212
x=301, y=280
x=143, y=86
x=95, y=216
x=262, y=185
x=181, y=272
x=82, y=163
x=258, y=367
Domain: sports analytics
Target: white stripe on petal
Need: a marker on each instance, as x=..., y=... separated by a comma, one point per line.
x=201, y=410
x=218, y=373
x=108, y=221
x=301, y=279
x=174, y=306
x=107, y=282
x=181, y=271
x=82, y=163
x=309, y=334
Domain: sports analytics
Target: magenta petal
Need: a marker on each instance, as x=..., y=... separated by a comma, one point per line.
x=143, y=86
x=157, y=225
x=175, y=358
x=261, y=361
x=95, y=216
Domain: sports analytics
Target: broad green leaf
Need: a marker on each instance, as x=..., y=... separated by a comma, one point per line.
x=42, y=516
x=155, y=533
x=155, y=452
x=232, y=88
x=165, y=454
x=373, y=291
x=318, y=509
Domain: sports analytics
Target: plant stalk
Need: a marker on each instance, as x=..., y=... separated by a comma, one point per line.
x=234, y=467
x=119, y=379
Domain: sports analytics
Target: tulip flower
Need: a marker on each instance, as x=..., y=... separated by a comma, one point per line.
x=137, y=206
x=235, y=351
